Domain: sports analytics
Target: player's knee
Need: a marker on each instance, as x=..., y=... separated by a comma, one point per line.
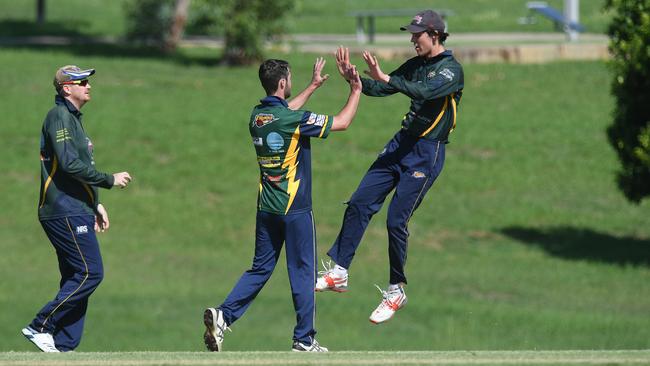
x=396, y=225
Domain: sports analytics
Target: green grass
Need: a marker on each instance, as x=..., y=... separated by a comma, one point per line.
x=100, y=17
x=523, y=243
x=339, y=358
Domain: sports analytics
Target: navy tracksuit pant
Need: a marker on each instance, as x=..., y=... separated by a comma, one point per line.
x=271, y=231
x=409, y=165
x=80, y=264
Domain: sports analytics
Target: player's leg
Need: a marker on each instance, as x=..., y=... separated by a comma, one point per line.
x=424, y=165
x=364, y=203
x=82, y=271
x=269, y=236
x=301, y=266
x=421, y=168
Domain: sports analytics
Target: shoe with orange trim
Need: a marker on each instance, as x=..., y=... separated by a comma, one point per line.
x=329, y=280
x=392, y=301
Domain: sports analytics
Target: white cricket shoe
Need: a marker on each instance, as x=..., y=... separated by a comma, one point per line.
x=392, y=301
x=302, y=347
x=215, y=325
x=329, y=280
x=44, y=341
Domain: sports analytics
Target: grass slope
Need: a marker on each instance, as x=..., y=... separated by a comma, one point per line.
x=459, y=358
x=524, y=242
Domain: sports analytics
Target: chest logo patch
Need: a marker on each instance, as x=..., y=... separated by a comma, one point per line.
x=275, y=141
x=263, y=119
x=431, y=74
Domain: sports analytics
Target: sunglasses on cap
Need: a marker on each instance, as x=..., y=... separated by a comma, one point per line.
x=83, y=82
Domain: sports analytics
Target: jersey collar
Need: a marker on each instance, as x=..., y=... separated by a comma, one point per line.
x=273, y=100
x=59, y=100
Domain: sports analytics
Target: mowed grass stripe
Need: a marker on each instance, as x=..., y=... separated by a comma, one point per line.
x=641, y=357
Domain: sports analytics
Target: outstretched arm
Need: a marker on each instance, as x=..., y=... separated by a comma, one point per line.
x=344, y=118
x=316, y=81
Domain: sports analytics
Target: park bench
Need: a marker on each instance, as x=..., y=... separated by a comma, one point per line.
x=370, y=15
x=560, y=21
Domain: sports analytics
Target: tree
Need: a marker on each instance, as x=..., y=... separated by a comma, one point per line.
x=177, y=26
x=630, y=132
x=244, y=24
x=248, y=23
x=40, y=11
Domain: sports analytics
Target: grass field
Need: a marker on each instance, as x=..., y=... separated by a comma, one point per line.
x=100, y=17
x=461, y=358
x=523, y=243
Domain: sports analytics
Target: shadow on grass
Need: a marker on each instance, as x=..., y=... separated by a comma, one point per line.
x=91, y=47
x=26, y=28
x=584, y=244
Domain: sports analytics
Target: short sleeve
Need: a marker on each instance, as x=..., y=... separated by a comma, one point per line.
x=315, y=125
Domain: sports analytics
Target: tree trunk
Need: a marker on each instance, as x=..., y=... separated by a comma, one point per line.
x=40, y=11
x=178, y=25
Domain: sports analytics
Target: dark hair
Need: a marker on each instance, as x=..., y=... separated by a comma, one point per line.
x=442, y=36
x=271, y=72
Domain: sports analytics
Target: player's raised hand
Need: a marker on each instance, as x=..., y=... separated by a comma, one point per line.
x=122, y=179
x=342, y=60
x=317, y=79
x=352, y=75
x=374, y=71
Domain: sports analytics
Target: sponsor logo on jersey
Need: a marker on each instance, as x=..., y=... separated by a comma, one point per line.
x=447, y=74
x=263, y=119
x=273, y=179
x=258, y=141
x=418, y=174
x=275, y=141
x=82, y=229
x=316, y=119
x=269, y=161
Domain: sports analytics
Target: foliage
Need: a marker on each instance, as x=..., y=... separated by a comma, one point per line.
x=250, y=23
x=630, y=132
x=149, y=21
x=246, y=24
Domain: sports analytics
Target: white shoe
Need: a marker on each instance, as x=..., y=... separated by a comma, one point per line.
x=392, y=301
x=44, y=341
x=330, y=280
x=215, y=325
x=302, y=347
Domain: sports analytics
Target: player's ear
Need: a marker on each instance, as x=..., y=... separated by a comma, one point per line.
x=282, y=84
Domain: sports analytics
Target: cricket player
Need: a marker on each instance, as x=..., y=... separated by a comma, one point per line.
x=70, y=212
x=281, y=134
x=409, y=163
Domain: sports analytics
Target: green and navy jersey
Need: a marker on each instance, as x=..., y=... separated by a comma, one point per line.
x=435, y=86
x=281, y=138
x=69, y=179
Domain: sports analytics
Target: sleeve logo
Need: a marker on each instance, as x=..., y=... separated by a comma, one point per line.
x=316, y=119
x=62, y=135
x=263, y=119
x=447, y=74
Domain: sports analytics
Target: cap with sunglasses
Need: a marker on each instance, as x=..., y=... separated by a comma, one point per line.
x=71, y=74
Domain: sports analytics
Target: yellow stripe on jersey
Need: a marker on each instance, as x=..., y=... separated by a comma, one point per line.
x=55, y=163
x=291, y=162
x=435, y=123
x=90, y=193
x=453, y=108
x=322, y=130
